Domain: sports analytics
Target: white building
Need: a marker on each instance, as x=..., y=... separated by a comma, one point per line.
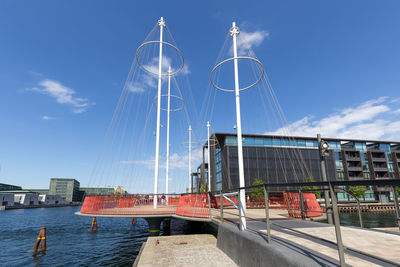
x=47, y=199
x=6, y=199
x=26, y=199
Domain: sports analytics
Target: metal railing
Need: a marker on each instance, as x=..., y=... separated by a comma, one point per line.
x=331, y=186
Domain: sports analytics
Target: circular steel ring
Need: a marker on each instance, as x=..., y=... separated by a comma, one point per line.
x=230, y=59
x=162, y=74
x=213, y=142
x=173, y=96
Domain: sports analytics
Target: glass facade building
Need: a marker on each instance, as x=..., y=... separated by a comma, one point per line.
x=282, y=159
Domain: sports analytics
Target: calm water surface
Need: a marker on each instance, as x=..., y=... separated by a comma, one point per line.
x=69, y=241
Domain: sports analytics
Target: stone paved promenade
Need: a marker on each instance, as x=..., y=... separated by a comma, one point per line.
x=183, y=250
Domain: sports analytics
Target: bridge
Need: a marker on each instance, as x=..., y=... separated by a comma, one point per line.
x=278, y=229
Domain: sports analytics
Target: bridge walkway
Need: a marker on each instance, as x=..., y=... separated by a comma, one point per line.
x=364, y=247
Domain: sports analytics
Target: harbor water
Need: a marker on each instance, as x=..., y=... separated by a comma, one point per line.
x=69, y=241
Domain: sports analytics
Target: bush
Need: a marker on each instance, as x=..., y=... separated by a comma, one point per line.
x=311, y=179
x=257, y=192
x=358, y=190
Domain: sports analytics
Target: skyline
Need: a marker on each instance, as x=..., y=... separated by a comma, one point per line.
x=61, y=76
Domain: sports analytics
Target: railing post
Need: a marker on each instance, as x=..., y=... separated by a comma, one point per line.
x=288, y=202
x=359, y=213
x=221, y=206
x=266, y=197
x=240, y=213
x=301, y=205
x=396, y=205
x=209, y=204
x=336, y=221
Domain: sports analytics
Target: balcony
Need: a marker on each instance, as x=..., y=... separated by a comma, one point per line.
x=382, y=169
x=355, y=169
x=378, y=159
x=348, y=158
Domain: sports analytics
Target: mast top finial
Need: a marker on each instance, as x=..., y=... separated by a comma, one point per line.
x=234, y=30
x=161, y=22
x=169, y=70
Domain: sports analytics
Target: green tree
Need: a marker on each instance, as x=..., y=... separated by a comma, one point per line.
x=204, y=188
x=257, y=192
x=311, y=179
x=358, y=190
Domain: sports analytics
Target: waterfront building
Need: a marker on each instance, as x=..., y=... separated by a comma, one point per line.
x=97, y=191
x=47, y=199
x=9, y=187
x=39, y=191
x=26, y=199
x=67, y=188
x=6, y=199
x=283, y=159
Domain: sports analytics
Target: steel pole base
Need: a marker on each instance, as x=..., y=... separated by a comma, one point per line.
x=154, y=225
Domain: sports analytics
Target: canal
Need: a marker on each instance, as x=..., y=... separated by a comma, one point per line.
x=69, y=241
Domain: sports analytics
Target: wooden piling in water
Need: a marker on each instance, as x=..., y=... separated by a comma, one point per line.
x=94, y=225
x=41, y=239
x=133, y=220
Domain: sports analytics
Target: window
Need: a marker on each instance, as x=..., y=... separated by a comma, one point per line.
x=248, y=141
x=230, y=141
x=301, y=142
x=267, y=142
x=276, y=142
x=360, y=146
x=384, y=147
x=258, y=141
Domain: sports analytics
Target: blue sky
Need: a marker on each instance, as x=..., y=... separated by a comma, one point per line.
x=334, y=67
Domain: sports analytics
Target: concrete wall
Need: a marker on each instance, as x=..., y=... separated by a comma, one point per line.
x=250, y=249
x=51, y=199
x=26, y=199
x=7, y=200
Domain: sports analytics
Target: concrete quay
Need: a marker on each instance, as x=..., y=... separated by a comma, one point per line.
x=295, y=242
x=183, y=250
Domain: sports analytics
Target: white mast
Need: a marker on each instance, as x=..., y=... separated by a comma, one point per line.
x=168, y=110
x=190, y=158
x=161, y=23
x=208, y=155
x=242, y=209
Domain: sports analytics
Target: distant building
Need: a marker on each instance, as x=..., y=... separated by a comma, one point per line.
x=6, y=199
x=26, y=199
x=97, y=191
x=9, y=187
x=67, y=188
x=39, y=191
x=51, y=199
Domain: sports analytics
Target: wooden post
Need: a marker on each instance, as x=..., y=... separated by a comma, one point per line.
x=133, y=220
x=94, y=225
x=41, y=239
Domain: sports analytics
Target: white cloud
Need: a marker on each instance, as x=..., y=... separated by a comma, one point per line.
x=145, y=80
x=372, y=119
x=62, y=95
x=248, y=40
x=397, y=111
x=47, y=118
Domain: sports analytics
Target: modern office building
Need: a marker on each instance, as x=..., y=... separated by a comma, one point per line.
x=67, y=188
x=282, y=159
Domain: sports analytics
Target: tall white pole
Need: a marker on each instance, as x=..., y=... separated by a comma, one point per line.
x=208, y=155
x=168, y=111
x=242, y=209
x=161, y=23
x=190, y=158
